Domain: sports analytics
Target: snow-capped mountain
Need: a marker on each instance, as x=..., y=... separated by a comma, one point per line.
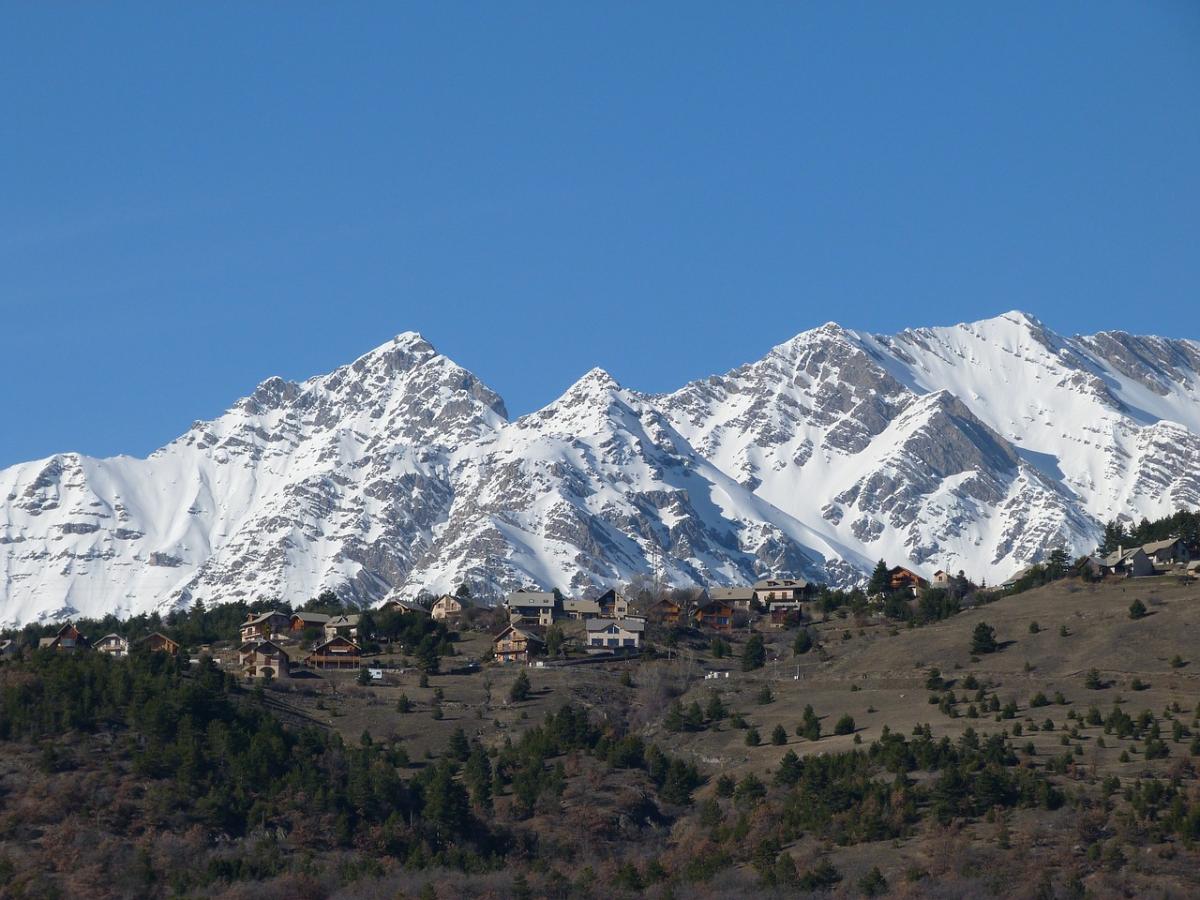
x=979, y=447
x=596, y=487
x=339, y=481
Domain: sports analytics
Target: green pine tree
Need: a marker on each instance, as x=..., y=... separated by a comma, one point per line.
x=983, y=639
x=754, y=654
x=519, y=692
x=880, y=579
x=803, y=642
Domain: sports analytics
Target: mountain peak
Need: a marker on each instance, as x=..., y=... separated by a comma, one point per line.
x=1020, y=317
x=405, y=350
x=829, y=334
x=597, y=377
x=1008, y=322
x=594, y=384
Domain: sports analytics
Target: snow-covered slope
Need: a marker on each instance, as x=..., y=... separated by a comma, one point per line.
x=339, y=481
x=595, y=487
x=979, y=446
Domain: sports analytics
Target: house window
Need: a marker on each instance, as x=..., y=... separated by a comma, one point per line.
x=629, y=642
x=613, y=642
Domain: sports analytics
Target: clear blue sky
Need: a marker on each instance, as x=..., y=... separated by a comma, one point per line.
x=195, y=196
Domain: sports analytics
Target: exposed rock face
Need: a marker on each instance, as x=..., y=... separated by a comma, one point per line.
x=981, y=447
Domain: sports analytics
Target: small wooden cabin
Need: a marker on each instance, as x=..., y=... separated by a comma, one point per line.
x=668, y=611
x=516, y=644
x=157, y=642
x=337, y=652
x=900, y=578
x=67, y=639
x=447, y=608
x=738, y=597
x=716, y=614
x=302, y=621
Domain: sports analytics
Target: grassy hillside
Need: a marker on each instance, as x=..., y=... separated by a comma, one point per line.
x=1019, y=772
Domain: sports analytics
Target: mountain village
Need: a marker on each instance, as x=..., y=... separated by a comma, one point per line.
x=533, y=627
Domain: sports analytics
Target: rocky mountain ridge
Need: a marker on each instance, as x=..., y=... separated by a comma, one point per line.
x=980, y=447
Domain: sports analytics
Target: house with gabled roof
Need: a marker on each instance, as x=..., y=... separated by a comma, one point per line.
x=157, y=642
x=900, y=578
x=533, y=607
x=783, y=597
x=607, y=635
x=517, y=643
x=301, y=621
x=738, y=597
x=668, y=611
x=67, y=639
x=264, y=659
x=1172, y=551
x=269, y=625
x=112, y=644
x=1122, y=563
x=336, y=652
x=715, y=614
x=344, y=625
x=581, y=609
x=448, y=608
x=781, y=590
x=614, y=605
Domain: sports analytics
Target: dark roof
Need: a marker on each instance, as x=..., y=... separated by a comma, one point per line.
x=770, y=583
x=257, y=646
x=1119, y=556
x=530, y=598
x=581, y=606
x=314, y=617
x=625, y=624
x=732, y=594
x=264, y=617
x=527, y=633
x=321, y=645
x=1155, y=546
x=407, y=605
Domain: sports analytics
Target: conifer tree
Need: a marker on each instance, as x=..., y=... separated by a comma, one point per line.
x=519, y=692
x=880, y=580
x=803, y=642
x=983, y=639
x=754, y=654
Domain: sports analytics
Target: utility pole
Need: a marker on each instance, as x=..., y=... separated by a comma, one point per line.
x=656, y=566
